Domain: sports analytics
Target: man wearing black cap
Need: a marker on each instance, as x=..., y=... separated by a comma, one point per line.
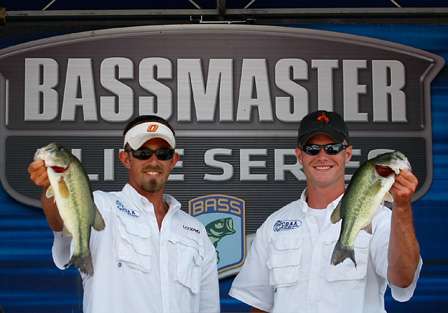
x=151, y=257
x=288, y=268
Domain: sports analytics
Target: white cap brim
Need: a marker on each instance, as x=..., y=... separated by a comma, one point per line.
x=141, y=133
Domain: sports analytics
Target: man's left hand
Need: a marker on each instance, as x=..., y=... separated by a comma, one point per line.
x=404, y=188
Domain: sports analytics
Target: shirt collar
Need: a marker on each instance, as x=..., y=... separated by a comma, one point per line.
x=331, y=206
x=143, y=204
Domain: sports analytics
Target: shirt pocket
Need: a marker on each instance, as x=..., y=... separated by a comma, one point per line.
x=190, y=257
x=347, y=270
x=284, y=262
x=133, y=243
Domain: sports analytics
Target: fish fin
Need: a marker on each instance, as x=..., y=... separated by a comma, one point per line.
x=63, y=188
x=84, y=263
x=388, y=197
x=368, y=228
x=99, y=223
x=340, y=253
x=336, y=215
x=49, y=193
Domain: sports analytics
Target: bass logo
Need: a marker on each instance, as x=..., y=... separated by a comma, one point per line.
x=224, y=219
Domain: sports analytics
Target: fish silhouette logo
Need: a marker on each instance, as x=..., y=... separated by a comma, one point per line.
x=218, y=229
x=224, y=219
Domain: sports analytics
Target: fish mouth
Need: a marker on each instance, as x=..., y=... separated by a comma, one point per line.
x=384, y=171
x=230, y=228
x=59, y=169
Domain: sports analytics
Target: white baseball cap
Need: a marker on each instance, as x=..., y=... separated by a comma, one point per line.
x=141, y=133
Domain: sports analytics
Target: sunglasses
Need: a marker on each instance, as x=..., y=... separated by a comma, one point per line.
x=330, y=149
x=162, y=154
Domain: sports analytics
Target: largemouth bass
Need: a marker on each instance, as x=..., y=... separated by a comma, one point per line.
x=70, y=187
x=367, y=189
x=218, y=229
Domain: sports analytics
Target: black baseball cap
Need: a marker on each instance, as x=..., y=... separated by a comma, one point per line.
x=322, y=122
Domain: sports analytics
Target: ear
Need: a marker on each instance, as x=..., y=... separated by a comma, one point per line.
x=176, y=157
x=348, y=154
x=299, y=155
x=124, y=158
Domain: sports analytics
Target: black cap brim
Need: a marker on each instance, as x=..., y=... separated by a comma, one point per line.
x=337, y=137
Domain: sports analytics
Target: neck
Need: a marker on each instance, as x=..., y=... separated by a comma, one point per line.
x=321, y=197
x=156, y=198
x=160, y=206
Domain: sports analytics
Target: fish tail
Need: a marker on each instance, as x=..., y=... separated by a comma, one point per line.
x=84, y=263
x=340, y=253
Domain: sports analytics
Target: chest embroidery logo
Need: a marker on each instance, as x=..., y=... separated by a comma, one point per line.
x=123, y=209
x=281, y=225
x=189, y=228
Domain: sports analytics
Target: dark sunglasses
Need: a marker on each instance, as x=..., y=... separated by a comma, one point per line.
x=330, y=149
x=162, y=154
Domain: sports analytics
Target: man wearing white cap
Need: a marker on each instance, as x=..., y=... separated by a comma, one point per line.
x=151, y=257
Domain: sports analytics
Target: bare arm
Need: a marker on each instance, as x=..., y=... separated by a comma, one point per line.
x=38, y=174
x=404, y=250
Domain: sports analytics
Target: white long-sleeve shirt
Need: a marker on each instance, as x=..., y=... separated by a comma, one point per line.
x=288, y=268
x=139, y=268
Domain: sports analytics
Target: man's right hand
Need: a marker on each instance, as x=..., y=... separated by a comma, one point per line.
x=38, y=174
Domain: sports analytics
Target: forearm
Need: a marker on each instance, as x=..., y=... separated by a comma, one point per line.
x=51, y=213
x=404, y=250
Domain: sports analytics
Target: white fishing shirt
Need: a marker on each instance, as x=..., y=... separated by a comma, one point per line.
x=288, y=268
x=139, y=269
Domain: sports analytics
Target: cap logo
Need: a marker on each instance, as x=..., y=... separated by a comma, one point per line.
x=153, y=128
x=323, y=118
